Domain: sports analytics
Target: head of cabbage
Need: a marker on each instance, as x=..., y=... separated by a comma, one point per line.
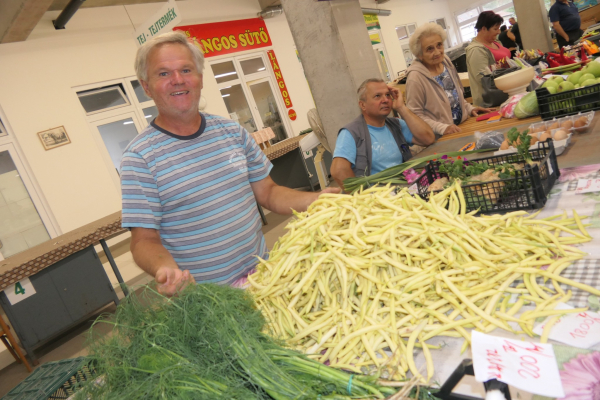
x=527, y=106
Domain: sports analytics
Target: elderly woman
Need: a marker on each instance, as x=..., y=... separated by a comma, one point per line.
x=484, y=51
x=433, y=88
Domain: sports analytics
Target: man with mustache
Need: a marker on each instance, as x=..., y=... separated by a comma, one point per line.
x=374, y=141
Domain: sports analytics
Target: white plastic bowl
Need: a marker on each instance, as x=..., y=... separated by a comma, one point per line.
x=515, y=82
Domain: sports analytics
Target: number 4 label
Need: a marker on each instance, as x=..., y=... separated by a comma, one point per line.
x=19, y=291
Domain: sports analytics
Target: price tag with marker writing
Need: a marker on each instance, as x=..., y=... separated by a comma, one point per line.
x=528, y=366
x=578, y=330
x=19, y=291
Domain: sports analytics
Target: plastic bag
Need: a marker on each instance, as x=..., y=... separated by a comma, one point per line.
x=489, y=140
x=507, y=109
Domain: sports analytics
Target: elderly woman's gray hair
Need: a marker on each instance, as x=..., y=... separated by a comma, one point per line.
x=421, y=32
x=141, y=57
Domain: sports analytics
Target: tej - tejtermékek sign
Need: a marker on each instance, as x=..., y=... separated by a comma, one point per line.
x=162, y=21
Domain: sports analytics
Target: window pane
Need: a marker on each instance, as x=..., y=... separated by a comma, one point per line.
x=401, y=32
x=467, y=32
x=267, y=107
x=411, y=28
x=139, y=91
x=102, y=99
x=224, y=71
x=150, y=113
x=3, y=131
x=20, y=224
x=116, y=136
x=237, y=106
x=252, y=66
x=467, y=15
x=441, y=22
x=495, y=4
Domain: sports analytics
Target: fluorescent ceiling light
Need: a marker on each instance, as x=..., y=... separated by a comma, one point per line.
x=225, y=95
x=148, y=116
x=225, y=74
x=127, y=122
x=262, y=69
x=226, y=87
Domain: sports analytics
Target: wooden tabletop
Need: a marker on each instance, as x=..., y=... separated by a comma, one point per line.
x=584, y=148
x=29, y=262
x=470, y=126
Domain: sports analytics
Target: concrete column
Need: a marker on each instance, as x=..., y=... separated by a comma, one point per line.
x=533, y=24
x=337, y=56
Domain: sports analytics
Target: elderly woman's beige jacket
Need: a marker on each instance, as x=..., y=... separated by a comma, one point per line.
x=428, y=100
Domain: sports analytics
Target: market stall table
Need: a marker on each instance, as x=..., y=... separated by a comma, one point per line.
x=562, y=197
x=68, y=282
x=583, y=150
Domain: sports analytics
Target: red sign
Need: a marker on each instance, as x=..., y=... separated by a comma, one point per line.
x=279, y=78
x=220, y=38
x=292, y=114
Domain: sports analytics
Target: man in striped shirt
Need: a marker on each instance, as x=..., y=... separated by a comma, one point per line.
x=190, y=181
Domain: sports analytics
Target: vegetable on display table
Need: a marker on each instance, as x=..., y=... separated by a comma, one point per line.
x=208, y=343
x=359, y=282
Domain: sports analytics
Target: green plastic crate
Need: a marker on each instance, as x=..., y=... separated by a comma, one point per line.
x=53, y=380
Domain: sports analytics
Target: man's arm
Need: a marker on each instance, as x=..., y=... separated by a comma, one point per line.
x=422, y=133
x=151, y=256
x=341, y=169
x=511, y=35
x=282, y=200
x=559, y=29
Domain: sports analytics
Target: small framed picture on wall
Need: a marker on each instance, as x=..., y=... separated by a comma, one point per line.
x=54, y=137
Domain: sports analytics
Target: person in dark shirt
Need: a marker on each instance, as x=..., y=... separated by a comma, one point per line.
x=514, y=30
x=506, y=40
x=566, y=21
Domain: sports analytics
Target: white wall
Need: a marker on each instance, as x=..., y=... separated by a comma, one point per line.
x=410, y=11
x=36, y=94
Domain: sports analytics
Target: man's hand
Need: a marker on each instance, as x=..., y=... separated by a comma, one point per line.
x=398, y=99
x=330, y=190
x=170, y=281
x=452, y=129
x=480, y=110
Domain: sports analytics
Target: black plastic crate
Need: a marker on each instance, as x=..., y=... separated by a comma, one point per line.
x=569, y=102
x=53, y=381
x=527, y=190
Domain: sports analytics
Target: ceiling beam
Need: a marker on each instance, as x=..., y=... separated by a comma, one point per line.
x=59, y=5
x=19, y=17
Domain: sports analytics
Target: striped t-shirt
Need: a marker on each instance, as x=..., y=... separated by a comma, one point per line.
x=195, y=190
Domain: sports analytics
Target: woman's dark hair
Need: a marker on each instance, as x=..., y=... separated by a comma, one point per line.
x=488, y=19
x=502, y=28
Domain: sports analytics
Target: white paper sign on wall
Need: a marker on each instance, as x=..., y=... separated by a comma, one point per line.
x=578, y=330
x=528, y=366
x=164, y=20
x=19, y=291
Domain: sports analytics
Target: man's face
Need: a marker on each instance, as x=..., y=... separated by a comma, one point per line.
x=512, y=21
x=377, y=101
x=174, y=83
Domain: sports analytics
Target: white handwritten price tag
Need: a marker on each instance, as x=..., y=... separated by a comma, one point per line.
x=578, y=330
x=524, y=365
x=19, y=291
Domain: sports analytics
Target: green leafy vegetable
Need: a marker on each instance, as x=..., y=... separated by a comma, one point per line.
x=207, y=343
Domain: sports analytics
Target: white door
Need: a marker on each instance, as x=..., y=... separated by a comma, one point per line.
x=112, y=135
x=267, y=110
x=23, y=220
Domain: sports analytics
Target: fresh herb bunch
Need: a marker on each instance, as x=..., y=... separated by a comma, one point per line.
x=461, y=168
x=522, y=141
x=207, y=343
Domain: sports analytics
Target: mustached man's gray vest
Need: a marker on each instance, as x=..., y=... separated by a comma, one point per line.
x=360, y=132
